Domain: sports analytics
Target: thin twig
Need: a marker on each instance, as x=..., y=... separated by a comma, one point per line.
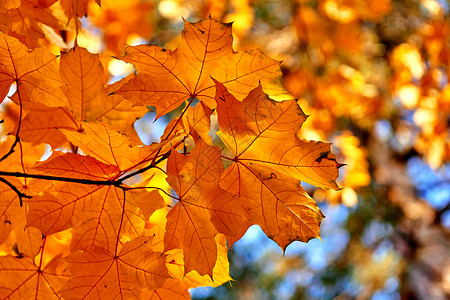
x=117, y=183
x=58, y=178
x=19, y=193
x=11, y=150
x=152, y=165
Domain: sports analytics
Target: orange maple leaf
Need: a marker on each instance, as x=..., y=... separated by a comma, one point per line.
x=262, y=132
x=28, y=280
x=269, y=160
x=100, y=274
x=203, y=209
x=100, y=214
x=172, y=289
x=83, y=76
x=35, y=72
x=176, y=267
x=166, y=78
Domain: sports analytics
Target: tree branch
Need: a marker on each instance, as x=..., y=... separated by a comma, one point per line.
x=59, y=178
x=117, y=182
x=19, y=193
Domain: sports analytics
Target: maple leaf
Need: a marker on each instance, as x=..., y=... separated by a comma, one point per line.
x=100, y=274
x=269, y=158
x=28, y=280
x=172, y=289
x=262, y=132
x=175, y=265
x=29, y=20
x=203, y=209
x=182, y=74
x=35, y=72
x=41, y=124
x=83, y=76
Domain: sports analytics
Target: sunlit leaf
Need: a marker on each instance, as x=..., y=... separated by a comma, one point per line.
x=98, y=273
x=176, y=267
x=278, y=204
x=104, y=143
x=262, y=132
x=28, y=281
x=99, y=214
x=203, y=209
x=205, y=52
x=35, y=72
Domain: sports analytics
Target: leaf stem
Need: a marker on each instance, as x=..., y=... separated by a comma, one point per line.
x=181, y=116
x=229, y=158
x=121, y=222
x=152, y=165
x=151, y=187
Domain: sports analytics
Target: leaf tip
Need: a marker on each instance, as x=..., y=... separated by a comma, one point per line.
x=335, y=186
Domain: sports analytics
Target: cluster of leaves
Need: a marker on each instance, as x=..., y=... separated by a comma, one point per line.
x=374, y=78
x=105, y=216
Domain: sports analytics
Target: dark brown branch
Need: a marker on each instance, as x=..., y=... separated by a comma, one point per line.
x=113, y=182
x=116, y=183
x=59, y=178
x=19, y=193
x=11, y=150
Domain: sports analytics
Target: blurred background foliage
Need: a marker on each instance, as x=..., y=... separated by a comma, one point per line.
x=373, y=76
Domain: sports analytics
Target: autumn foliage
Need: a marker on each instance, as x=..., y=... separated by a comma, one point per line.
x=106, y=217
